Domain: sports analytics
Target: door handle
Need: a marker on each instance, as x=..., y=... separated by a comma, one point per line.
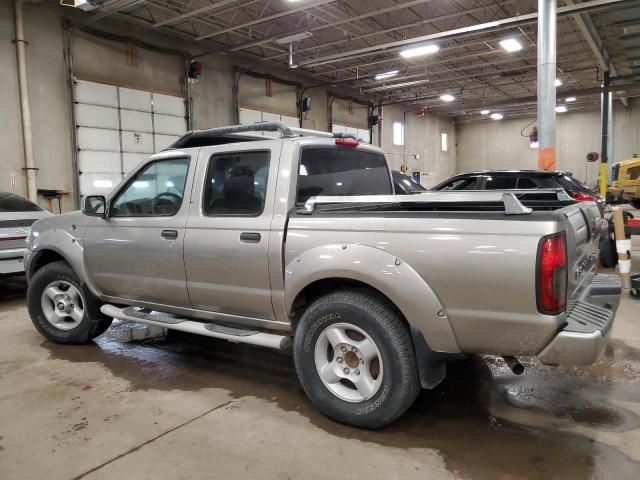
x=250, y=237
x=169, y=234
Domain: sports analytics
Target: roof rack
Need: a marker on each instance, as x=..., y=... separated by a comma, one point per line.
x=512, y=205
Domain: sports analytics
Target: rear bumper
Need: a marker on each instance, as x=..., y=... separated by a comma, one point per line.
x=583, y=340
x=12, y=261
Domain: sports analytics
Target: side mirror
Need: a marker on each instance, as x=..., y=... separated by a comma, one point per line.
x=95, y=206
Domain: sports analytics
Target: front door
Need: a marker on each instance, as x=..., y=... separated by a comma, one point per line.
x=137, y=252
x=227, y=235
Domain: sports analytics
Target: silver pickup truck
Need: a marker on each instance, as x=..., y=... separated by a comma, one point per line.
x=299, y=243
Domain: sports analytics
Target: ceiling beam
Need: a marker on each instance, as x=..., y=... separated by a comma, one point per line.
x=590, y=34
x=459, y=32
x=193, y=13
x=275, y=16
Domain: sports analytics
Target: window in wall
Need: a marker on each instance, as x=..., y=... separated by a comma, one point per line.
x=236, y=183
x=398, y=133
x=444, y=142
x=157, y=190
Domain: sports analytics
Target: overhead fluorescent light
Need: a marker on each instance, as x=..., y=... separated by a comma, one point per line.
x=570, y=99
x=485, y=112
x=419, y=51
x=511, y=44
x=293, y=38
x=382, y=76
x=561, y=108
x=396, y=85
x=497, y=116
x=102, y=183
x=447, y=97
x=557, y=82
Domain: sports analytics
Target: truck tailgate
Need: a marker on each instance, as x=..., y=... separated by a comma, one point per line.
x=583, y=224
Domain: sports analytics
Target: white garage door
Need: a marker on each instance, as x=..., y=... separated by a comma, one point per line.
x=249, y=116
x=117, y=128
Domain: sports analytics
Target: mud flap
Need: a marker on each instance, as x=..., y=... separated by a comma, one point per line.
x=432, y=368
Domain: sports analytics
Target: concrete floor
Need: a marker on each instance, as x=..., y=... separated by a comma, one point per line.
x=181, y=407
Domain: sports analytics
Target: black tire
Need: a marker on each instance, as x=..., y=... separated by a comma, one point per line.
x=607, y=250
x=93, y=322
x=400, y=384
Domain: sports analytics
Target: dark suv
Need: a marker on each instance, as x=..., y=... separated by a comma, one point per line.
x=522, y=180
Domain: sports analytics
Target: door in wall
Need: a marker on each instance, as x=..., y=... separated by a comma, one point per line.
x=117, y=128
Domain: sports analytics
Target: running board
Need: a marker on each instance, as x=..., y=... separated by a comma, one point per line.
x=207, y=329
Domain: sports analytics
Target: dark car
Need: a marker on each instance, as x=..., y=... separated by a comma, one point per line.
x=522, y=180
x=405, y=185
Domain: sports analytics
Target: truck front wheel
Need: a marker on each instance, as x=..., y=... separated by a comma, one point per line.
x=355, y=359
x=62, y=308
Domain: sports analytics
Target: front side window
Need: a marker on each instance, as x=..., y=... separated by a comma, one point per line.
x=236, y=183
x=157, y=190
x=468, y=183
x=342, y=171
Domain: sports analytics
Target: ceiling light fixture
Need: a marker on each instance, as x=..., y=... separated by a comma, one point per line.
x=419, y=51
x=382, y=76
x=485, y=112
x=570, y=99
x=497, y=116
x=561, y=108
x=447, y=97
x=293, y=38
x=511, y=45
x=557, y=82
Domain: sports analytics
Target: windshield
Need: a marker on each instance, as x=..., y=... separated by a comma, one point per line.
x=342, y=171
x=10, y=202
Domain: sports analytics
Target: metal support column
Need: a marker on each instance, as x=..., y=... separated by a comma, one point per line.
x=546, y=84
x=605, y=150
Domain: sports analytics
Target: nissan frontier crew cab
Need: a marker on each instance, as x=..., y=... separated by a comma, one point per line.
x=299, y=243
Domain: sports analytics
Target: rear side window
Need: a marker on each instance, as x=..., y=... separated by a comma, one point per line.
x=570, y=184
x=526, y=183
x=14, y=203
x=236, y=183
x=341, y=171
x=500, y=182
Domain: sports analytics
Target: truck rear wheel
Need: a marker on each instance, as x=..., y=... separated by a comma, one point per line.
x=355, y=359
x=62, y=308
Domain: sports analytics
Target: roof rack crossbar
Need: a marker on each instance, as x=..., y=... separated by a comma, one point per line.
x=512, y=205
x=284, y=129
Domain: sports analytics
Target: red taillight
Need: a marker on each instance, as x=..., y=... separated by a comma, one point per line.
x=347, y=142
x=583, y=197
x=552, y=274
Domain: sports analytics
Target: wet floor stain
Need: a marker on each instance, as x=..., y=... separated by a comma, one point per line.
x=454, y=419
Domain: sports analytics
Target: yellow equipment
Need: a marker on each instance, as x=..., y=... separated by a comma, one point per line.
x=626, y=181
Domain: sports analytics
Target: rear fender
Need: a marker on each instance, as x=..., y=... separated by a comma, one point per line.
x=390, y=275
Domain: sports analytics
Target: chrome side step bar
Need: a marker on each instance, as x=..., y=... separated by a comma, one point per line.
x=208, y=329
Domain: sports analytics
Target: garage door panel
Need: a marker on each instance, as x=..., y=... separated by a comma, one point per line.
x=99, y=162
x=168, y=105
x=163, y=141
x=98, y=139
x=96, y=94
x=132, y=160
x=136, y=121
x=137, y=142
x=94, y=116
x=169, y=125
x=135, y=100
x=98, y=183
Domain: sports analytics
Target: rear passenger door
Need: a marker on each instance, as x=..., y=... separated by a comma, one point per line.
x=500, y=182
x=227, y=233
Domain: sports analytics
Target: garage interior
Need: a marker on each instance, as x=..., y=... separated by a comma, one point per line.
x=90, y=88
